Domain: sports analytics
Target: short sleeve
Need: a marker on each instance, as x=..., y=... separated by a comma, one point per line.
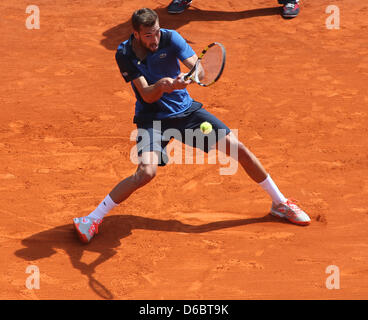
x=182, y=48
x=127, y=69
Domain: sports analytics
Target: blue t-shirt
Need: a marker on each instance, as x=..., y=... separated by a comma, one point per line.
x=162, y=63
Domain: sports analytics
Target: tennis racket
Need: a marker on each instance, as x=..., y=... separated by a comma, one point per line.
x=209, y=66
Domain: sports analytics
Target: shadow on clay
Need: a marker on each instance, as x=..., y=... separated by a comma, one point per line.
x=114, y=36
x=114, y=229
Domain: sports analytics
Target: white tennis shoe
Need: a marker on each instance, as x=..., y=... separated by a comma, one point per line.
x=290, y=211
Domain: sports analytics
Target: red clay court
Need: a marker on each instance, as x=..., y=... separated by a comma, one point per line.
x=295, y=90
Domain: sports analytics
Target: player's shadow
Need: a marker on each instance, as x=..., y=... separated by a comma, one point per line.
x=114, y=36
x=112, y=231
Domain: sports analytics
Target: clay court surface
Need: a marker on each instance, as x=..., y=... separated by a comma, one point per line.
x=295, y=91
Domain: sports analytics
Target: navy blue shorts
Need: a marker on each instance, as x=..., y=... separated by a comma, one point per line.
x=155, y=135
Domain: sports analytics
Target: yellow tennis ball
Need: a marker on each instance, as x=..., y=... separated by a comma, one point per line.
x=206, y=127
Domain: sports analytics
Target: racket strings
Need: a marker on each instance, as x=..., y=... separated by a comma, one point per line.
x=210, y=65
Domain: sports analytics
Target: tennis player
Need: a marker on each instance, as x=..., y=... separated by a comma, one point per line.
x=149, y=60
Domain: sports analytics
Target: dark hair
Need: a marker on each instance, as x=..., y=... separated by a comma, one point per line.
x=144, y=17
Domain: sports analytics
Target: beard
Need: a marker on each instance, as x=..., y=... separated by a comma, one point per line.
x=152, y=47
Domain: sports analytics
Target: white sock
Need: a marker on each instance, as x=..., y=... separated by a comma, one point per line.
x=270, y=187
x=103, y=208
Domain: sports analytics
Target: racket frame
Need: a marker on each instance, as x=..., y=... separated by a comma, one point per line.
x=192, y=75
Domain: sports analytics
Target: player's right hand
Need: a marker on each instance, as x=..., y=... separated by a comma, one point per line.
x=167, y=85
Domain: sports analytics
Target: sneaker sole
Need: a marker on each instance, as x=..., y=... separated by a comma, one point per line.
x=299, y=223
x=290, y=16
x=175, y=12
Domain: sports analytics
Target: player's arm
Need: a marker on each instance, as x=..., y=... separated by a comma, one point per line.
x=190, y=63
x=149, y=93
x=152, y=93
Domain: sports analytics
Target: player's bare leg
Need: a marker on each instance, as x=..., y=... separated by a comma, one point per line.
x=146, y=171
x=281, y=207
x=88, y=226
x=246, y=158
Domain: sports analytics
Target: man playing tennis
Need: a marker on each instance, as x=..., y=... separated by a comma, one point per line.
x=149, y=59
